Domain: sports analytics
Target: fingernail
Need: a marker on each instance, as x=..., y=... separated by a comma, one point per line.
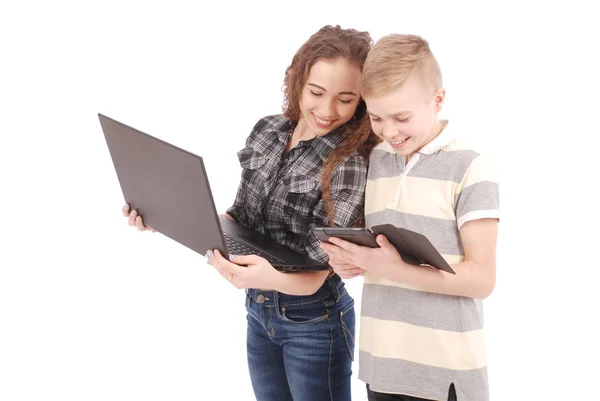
x=125, y=207
x=207, y=256
x=231, y=257
x=138, y=219
x=134, y=213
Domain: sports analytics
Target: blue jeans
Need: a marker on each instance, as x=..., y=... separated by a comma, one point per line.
x=301, y=348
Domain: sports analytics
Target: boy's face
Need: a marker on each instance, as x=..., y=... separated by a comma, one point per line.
x=407, y=118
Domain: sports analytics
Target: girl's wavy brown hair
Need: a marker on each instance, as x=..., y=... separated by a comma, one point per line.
x=331, y=43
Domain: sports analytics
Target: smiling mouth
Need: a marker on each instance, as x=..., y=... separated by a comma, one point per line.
x=321, y=122
x=397, y=143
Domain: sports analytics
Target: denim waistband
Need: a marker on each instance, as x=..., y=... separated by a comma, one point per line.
x=332, y=290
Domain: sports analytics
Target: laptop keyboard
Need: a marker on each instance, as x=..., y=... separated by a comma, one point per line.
x=234, y=247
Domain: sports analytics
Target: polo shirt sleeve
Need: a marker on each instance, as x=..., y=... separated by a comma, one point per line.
x=478, y=196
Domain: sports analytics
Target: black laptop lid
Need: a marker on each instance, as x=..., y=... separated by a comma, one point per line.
x=167, y=185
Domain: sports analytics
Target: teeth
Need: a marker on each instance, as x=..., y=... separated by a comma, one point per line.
x=399, y=142
x=322, y=122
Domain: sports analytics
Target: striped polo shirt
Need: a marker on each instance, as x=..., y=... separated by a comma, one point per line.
x=412, y=341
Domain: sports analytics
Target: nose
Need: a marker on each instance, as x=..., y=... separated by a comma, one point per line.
x=327, y=109
x=389, y=131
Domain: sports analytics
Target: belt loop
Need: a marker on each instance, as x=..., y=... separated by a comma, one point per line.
x=334, y=288
x=276, y=303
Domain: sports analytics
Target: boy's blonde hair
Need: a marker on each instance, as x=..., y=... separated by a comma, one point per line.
x=393, y=60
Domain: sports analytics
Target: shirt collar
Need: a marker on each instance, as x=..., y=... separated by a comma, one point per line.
x=321, y=144
x=444, y=138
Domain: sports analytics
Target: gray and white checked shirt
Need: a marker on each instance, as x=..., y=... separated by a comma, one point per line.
x=280, y=195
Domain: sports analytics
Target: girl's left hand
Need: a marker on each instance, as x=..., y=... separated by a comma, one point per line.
x=244, y=271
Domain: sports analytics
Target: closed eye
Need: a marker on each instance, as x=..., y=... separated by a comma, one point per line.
x=316, y=94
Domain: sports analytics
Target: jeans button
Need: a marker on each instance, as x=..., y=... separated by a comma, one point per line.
x=260, y=298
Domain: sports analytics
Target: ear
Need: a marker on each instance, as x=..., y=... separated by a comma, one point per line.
x=440, y=96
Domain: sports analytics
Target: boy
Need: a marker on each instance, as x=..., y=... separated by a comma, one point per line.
x=421, y=331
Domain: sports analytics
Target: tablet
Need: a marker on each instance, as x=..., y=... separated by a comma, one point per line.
x=414, y=248
x=360, y=236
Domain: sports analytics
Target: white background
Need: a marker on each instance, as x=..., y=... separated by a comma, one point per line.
x=91, y=309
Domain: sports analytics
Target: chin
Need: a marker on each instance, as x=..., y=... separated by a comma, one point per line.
x=322, y=131
x=403, y=151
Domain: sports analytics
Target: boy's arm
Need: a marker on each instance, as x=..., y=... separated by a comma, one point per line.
x=475, y=276
x=477, y=211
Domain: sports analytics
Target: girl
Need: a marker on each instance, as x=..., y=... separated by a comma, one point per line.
x=303, y=169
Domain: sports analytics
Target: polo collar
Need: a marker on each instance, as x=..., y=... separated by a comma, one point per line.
x=444, y=138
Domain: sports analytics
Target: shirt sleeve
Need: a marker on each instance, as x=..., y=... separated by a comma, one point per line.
x=348, y=183
x=479, y=196
x=238, y=210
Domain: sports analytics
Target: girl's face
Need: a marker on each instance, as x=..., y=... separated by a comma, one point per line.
x=330, y=96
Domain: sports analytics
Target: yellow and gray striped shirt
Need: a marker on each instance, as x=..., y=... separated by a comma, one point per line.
x=412, y=341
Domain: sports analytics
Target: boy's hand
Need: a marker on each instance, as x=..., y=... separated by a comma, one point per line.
x=377, y=260
x=345, y=270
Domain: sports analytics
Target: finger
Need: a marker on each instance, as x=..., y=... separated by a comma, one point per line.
x=340, y=271
x=140, y=224
x=346, y=275
x=338, y=254
x=349, y=246
x=335, y=259
x=224, y=273
x=338, y=265
x=246, y=260
x=227, y=265
x=346, y=268
x=216, y=263
x=355, y=275
x=355, y=271
x=125, y=210
x=331, y=249
x=132, y=216
x=387, y=247
x=382, y=241
x=229, y=271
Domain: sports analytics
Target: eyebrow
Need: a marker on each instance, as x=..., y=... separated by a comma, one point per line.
x=341, y=93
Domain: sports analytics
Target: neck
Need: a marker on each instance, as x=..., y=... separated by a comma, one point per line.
x=435, y=131
x=302, y=132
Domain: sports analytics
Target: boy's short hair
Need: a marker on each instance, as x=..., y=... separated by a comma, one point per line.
x=394, y=59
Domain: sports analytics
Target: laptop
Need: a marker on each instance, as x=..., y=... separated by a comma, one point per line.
x=169, y=187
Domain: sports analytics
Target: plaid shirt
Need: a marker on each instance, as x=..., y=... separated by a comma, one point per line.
x=280, y=196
